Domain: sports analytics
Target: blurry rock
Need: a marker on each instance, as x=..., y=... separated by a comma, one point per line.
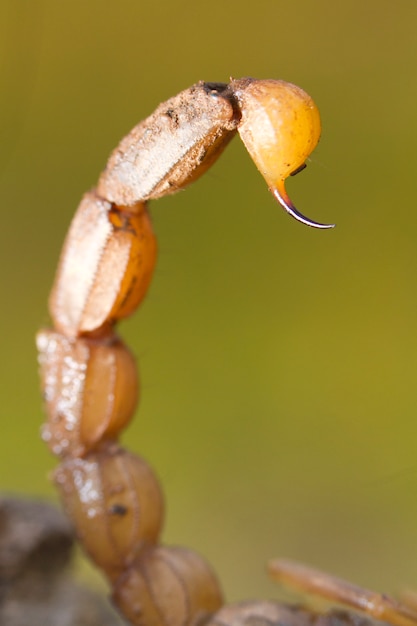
x=36, y=588
x=36, y=544
x=276, y=614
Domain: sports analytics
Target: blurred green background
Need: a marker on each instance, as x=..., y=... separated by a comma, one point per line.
x=278, y=363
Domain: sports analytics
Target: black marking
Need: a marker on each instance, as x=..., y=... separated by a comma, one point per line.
x=173, y=115
x=299, y=169
x=215, y=89
x=118, y=509
x=124, y=218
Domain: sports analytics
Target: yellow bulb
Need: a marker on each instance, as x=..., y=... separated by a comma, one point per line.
x=280, y=127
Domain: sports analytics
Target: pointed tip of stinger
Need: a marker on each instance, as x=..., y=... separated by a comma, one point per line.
x=282, y=197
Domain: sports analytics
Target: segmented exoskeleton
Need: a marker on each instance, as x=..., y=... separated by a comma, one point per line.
x=89, y=376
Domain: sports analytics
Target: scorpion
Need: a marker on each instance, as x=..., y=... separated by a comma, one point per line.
x=89, y=377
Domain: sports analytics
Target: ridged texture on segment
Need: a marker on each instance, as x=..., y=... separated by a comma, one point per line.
x=90, y=390
x=115, y=503
x=172, y=147
x=168, y=586
x=105, y=268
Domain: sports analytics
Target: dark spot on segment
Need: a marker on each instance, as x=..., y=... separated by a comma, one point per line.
x=118, y=509
x=215, y=88
x=225, y=91
x=121, y=220
x=173, y=115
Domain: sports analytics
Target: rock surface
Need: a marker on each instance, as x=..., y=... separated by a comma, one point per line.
x=36, y=587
